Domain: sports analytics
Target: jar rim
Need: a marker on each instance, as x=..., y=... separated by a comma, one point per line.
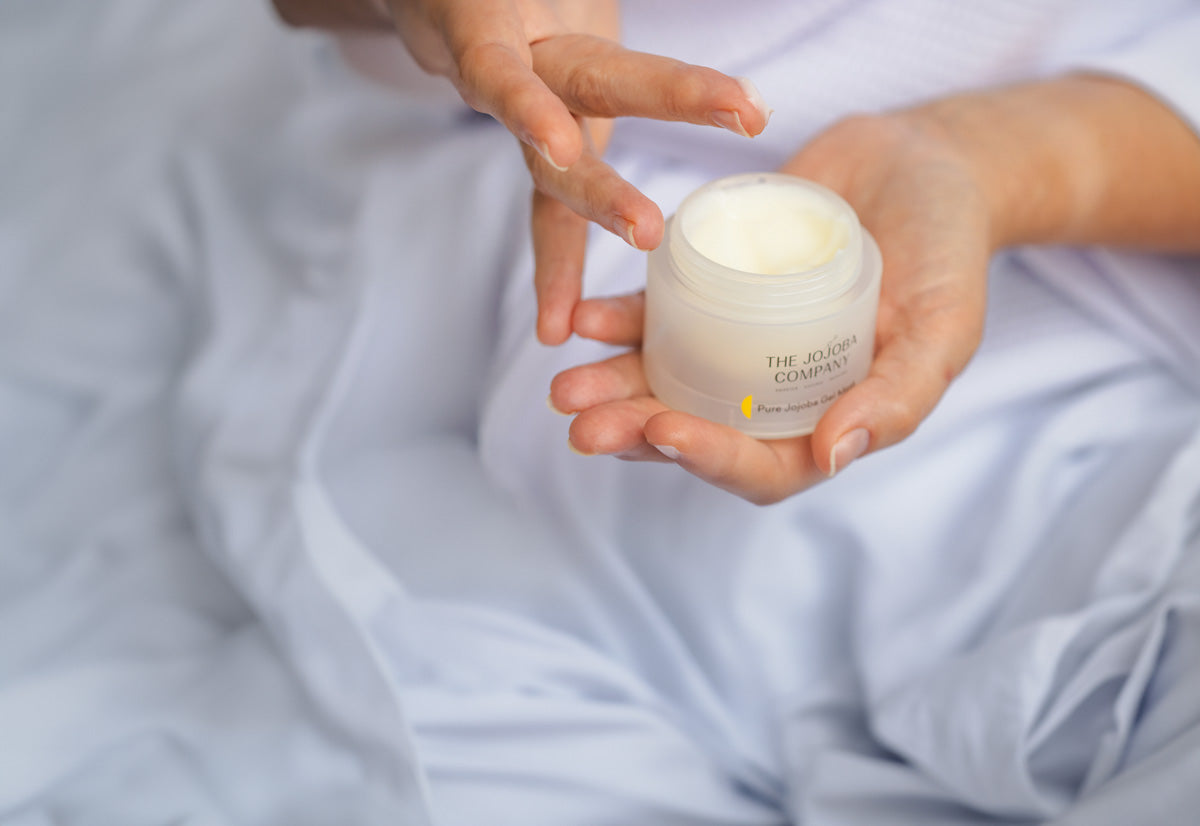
x=817, y=285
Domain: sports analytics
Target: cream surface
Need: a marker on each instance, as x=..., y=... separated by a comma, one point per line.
x=769, y=228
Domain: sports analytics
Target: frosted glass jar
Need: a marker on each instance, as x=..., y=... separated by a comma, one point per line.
x=760, y=304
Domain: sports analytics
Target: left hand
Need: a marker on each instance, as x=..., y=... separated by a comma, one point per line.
x=921, y=199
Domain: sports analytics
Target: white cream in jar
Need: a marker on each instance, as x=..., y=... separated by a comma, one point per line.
x=760, y=304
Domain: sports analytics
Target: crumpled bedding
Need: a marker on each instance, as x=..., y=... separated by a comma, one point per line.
x=287, y=534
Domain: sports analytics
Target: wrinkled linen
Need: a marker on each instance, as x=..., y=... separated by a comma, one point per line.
x=287, y=533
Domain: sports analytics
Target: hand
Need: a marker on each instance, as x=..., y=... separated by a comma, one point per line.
x=921, y=199
x=552, y=72
x=558, y=99
x=598, y=80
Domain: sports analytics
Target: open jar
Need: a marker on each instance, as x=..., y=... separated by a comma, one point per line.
x=761, y=304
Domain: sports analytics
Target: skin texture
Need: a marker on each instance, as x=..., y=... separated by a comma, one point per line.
x=941, y=187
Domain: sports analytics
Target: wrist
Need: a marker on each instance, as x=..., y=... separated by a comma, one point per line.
x=1076, y=160
x=1012, y=148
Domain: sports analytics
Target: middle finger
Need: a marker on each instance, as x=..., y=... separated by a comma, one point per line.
x=615, y=379
x=600, y=78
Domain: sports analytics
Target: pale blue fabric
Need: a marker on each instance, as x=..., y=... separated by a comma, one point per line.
x=287, y=534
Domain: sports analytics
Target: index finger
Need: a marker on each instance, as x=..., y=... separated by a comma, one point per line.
x=493, y=72
x=596, y=77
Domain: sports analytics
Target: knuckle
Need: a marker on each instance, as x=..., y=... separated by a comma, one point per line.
x=595, y=197
x=542, y=191
x=691, y=89
x=472, y=62
x=905, y=415
x=587, y=85
x=478, y=66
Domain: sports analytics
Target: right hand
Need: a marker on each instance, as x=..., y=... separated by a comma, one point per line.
x=552, y=72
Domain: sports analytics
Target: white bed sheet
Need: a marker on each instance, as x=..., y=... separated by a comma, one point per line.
x=287, y=534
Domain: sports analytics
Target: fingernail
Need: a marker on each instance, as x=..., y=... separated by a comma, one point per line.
x=543, y=149
x=728, y=119
x=755, y=97
x=848, y=448
x=576, y=450
x=553, y=409
x=670, y=452
x=624, y=229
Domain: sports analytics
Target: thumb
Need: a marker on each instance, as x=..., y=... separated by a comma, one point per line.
x=919, y=351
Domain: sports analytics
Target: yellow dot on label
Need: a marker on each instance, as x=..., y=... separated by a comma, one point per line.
x=747, y=404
